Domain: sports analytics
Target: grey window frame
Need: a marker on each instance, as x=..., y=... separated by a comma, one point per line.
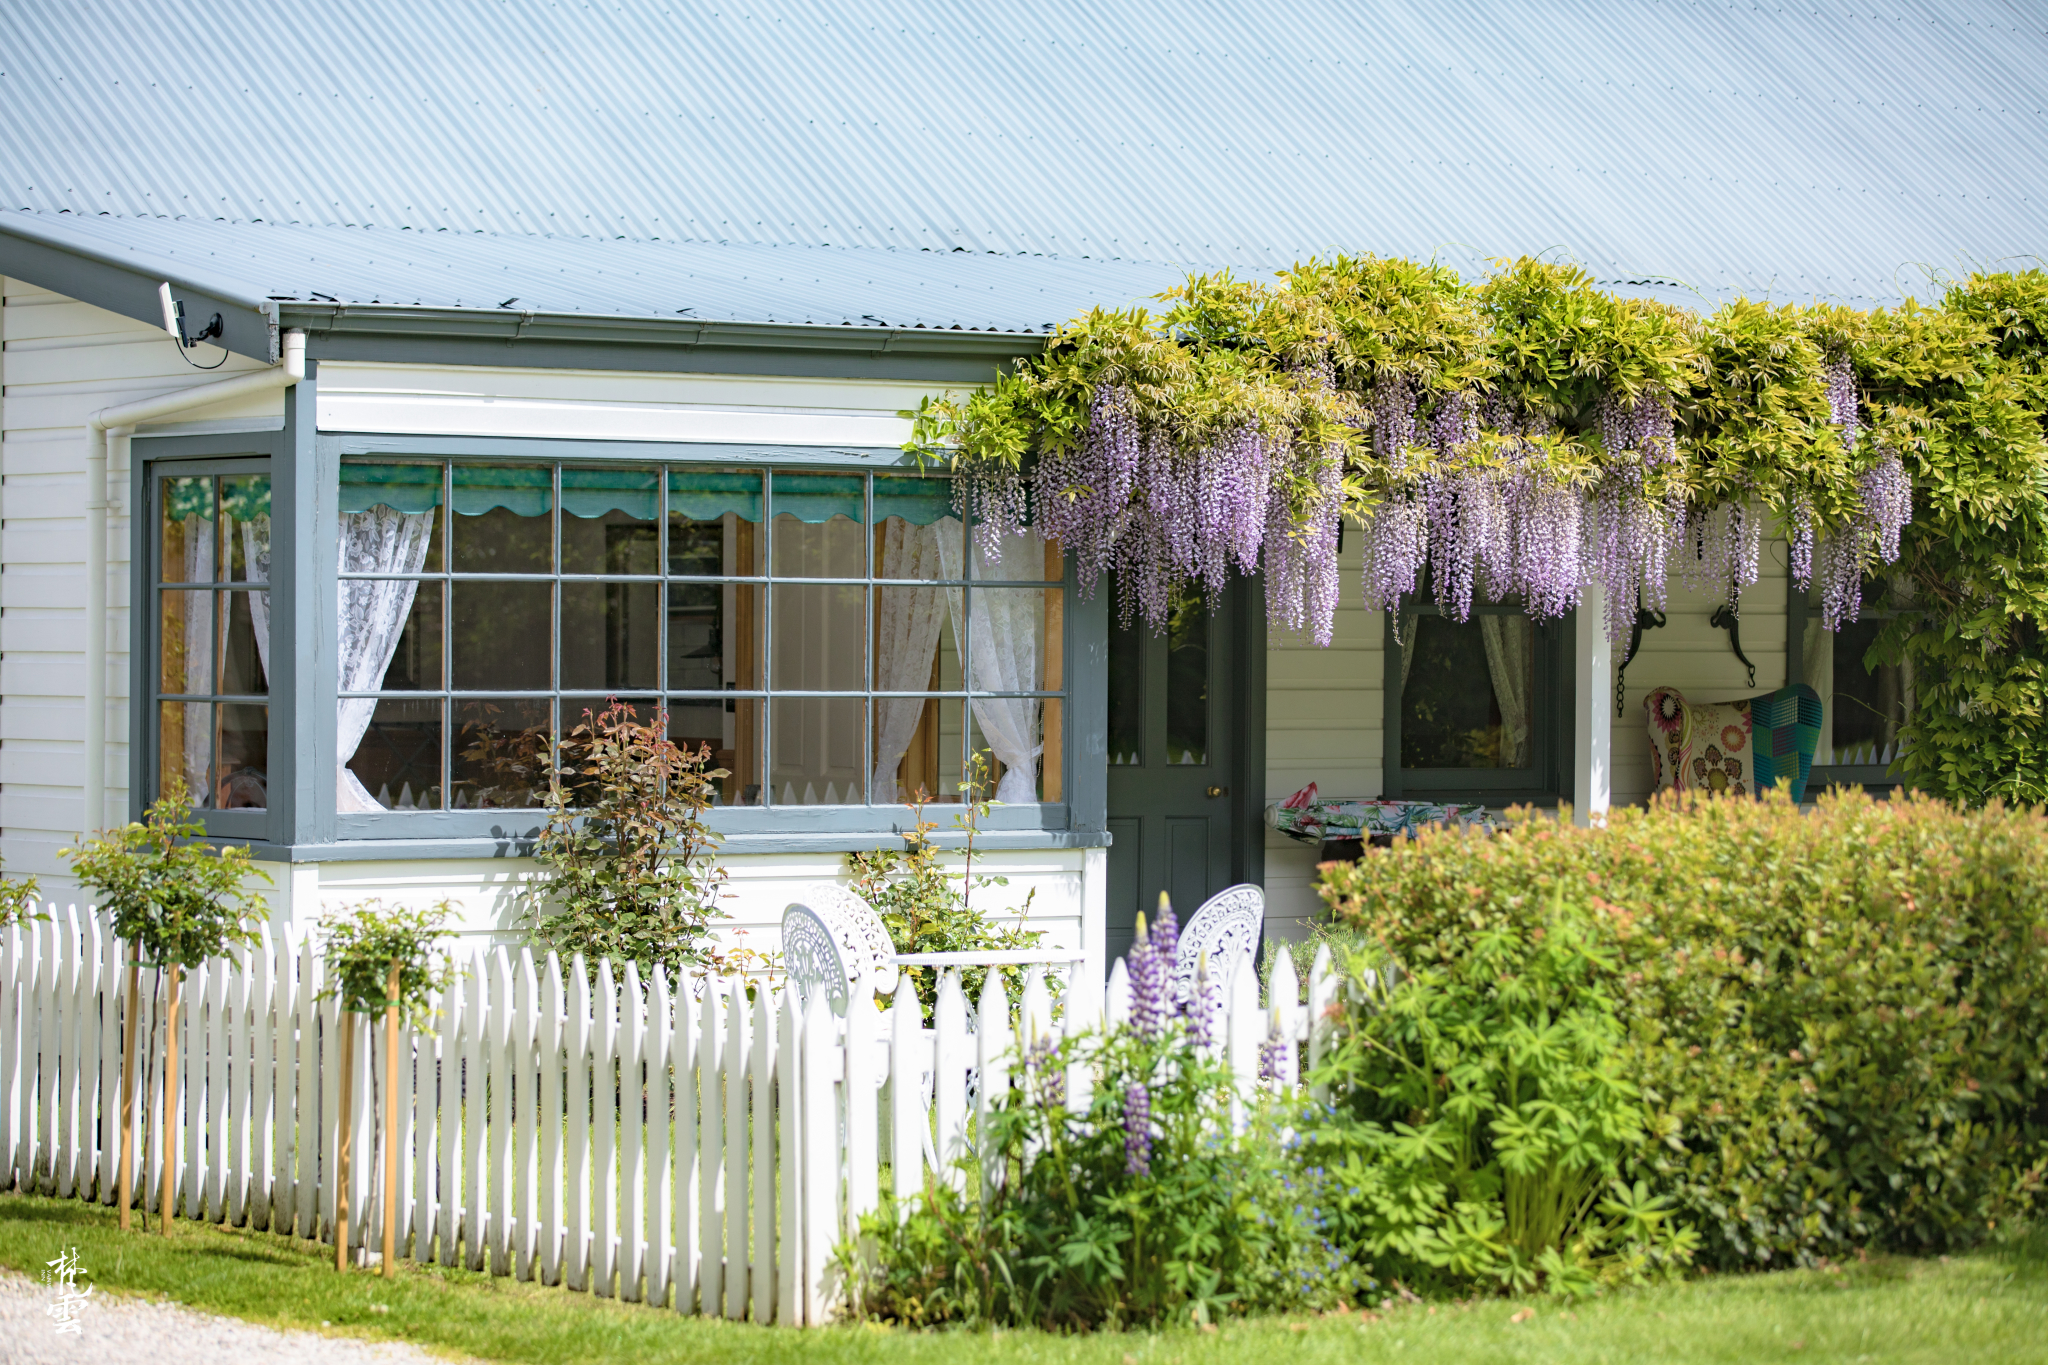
x=519, y=825
x=1546, y=780
x=268, y=448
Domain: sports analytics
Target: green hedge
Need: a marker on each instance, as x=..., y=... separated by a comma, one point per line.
x=1838, y=1019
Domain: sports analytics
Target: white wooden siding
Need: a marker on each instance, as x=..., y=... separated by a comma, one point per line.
x=1325, y=709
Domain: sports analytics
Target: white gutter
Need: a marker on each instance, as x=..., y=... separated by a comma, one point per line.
x=120, y=422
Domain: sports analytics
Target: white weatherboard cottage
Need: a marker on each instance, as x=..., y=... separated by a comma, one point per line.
x=354, y=447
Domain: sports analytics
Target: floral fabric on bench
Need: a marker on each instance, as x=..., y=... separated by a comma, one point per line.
x=1735, y=747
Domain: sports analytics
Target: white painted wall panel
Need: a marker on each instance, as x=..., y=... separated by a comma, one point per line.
x=601, y=405
x=1324, y=724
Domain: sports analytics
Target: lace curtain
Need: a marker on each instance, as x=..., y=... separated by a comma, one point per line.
x=1510, y=659
x=372, y=618
x=197, y=754
x=1005, y=655
x=907, y=623
x=256, y=569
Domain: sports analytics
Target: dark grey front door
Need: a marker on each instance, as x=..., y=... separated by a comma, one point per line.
x=1187, y=724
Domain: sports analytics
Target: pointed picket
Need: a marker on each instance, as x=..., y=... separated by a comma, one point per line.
x=475, y=1203
x=953, y=1053
x=525, y=1064
x=1082, y=1017
x=1117, y=996
x=49, y=1047
x=244, y=1000
x=1283, y=1008
x=604, y=1130
x=64, y=1155
x=330, y=1107
x=307, y=1144
x=576, y=1145
x=762, y=1064
x=685, y=1187
x=1323, y=984
x=711, y=1147
x=498, y=1051
x=789, y=1303
x=660, y=1105
x=1034, y=1011
x=113, y=982
x=552, y=1117
x=737, y=1032
x=262, y=1076
x=994, y=1054
x=632, y=1106
x=448, y=1188
x=13, y=1045
x=866, y=1069
x=192, y=1024
x=1244, y=1025
x=909, y=1120
x=821, y=1072
x=152, y=1116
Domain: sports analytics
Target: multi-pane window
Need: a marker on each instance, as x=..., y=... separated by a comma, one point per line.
x=1472, y=706
x=210, y=584
x=1864, y=707
x=833, y=639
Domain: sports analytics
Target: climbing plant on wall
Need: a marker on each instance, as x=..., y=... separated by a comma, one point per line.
x=1531, y=436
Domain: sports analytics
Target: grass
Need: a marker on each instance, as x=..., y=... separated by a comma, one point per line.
x=1987, y=1307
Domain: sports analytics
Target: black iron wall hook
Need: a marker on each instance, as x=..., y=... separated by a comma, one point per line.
x=1645, y=620
x=1727, y=617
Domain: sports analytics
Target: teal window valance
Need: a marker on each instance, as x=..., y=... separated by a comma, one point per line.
x=695, y=495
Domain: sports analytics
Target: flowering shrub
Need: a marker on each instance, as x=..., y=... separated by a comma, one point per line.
x=626, y=842
x=1137, y=1207
x=1831, y=1019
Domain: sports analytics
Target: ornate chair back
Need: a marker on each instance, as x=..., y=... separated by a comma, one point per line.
x=1226, y=927
x=830, y=936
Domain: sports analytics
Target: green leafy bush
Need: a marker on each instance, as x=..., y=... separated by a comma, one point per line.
x=1142, y=1209
x=176, y=901
x=18, y=900
x=626, y=842
x=1480, y=1119
x=1832, y=1018
x=926, y=909
x=364, y=941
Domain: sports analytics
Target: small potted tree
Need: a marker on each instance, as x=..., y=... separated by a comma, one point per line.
x=175, y=902
x=380, y=960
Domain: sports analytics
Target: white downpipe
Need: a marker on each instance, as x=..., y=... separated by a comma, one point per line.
x=120, y=421
x=1593, y=710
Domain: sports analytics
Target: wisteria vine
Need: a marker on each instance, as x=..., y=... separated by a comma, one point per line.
x=1485, y=450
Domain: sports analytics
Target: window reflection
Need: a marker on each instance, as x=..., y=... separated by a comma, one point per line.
x=1467, y=691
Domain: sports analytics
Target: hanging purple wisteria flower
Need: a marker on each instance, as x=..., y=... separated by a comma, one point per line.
x=1083, y=495
x=1842, y=411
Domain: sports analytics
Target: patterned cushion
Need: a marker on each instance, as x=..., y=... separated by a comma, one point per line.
x=1735, y=747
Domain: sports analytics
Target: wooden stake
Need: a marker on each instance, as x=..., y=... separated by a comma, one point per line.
x=127, y=1182
x=391, y=1124
x=346, y=1024
x=170, y=1119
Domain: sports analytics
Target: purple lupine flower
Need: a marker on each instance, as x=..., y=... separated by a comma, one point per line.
x=1137, y=1129
x=1166, y=931
x=1203, y=1005
x=1151, y=988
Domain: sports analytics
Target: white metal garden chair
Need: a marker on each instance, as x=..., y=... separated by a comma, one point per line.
x=832, y=935
x=1225, y=930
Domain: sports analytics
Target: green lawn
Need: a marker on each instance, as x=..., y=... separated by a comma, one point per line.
x=1989, y=1307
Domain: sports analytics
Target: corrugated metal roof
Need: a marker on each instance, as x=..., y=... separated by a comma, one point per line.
x=1726, y=147
x=697, y=281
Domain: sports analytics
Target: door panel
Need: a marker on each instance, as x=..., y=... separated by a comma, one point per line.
x=1177, y=787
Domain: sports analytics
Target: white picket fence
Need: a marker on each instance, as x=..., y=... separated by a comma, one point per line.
x=672, y=1143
